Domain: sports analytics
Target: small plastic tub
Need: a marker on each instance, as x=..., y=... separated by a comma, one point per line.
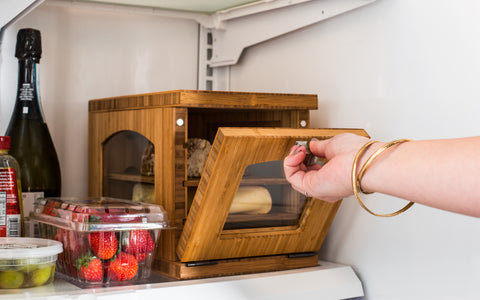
x=27, y=262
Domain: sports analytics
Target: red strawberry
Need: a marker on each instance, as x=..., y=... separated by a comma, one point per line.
x=90, y=268
x=103, y=244
x=139, y=241
x=141, y=256
x=123, y=267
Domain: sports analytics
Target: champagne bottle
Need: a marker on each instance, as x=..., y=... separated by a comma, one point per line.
x=31, y=143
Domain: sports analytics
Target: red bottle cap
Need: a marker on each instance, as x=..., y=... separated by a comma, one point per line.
x=4, y=142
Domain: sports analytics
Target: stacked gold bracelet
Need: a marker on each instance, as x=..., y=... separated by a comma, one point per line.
x=356, y=180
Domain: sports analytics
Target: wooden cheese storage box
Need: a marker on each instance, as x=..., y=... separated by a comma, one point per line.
x=240, y=215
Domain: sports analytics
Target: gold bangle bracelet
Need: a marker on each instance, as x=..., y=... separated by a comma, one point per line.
x=356, y=180
x=354, y=171
x=371, y=158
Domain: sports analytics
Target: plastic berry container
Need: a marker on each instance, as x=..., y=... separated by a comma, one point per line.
x=27, y=262
x=106, y=241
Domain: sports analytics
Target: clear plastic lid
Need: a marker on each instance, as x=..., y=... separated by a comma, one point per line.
x=21, y=247
x=99, y=214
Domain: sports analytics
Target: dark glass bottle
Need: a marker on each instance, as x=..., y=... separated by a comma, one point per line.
x=32, y=144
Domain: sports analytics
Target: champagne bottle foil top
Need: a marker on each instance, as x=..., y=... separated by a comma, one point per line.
x=29, y=44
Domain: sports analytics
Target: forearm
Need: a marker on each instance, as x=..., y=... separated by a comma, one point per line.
x=439, y=173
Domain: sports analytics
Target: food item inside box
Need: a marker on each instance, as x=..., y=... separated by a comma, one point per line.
x=106, y=241
x=197, y=154
x=143, y=192
x=147, y=165
x=27, y=262
x=251, y=200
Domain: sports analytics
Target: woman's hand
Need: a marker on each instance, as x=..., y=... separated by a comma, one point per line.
x=332, y=181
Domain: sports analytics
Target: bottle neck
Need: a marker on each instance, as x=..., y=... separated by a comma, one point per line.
x=27, y=104
x=26, y=71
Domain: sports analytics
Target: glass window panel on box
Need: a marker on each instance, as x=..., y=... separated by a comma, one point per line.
x=265, y=199
x=128, y=170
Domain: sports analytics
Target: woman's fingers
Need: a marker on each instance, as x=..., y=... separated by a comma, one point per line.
x=331, y=181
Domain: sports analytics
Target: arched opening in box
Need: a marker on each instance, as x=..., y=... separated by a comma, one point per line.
x=128, y=167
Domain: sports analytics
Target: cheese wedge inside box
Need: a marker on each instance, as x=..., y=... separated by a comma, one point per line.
x=251, y=200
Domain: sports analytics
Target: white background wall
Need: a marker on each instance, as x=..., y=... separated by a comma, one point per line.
x=397, y=68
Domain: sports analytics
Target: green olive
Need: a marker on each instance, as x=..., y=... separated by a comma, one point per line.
x=41, y=275
x=11, y=279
